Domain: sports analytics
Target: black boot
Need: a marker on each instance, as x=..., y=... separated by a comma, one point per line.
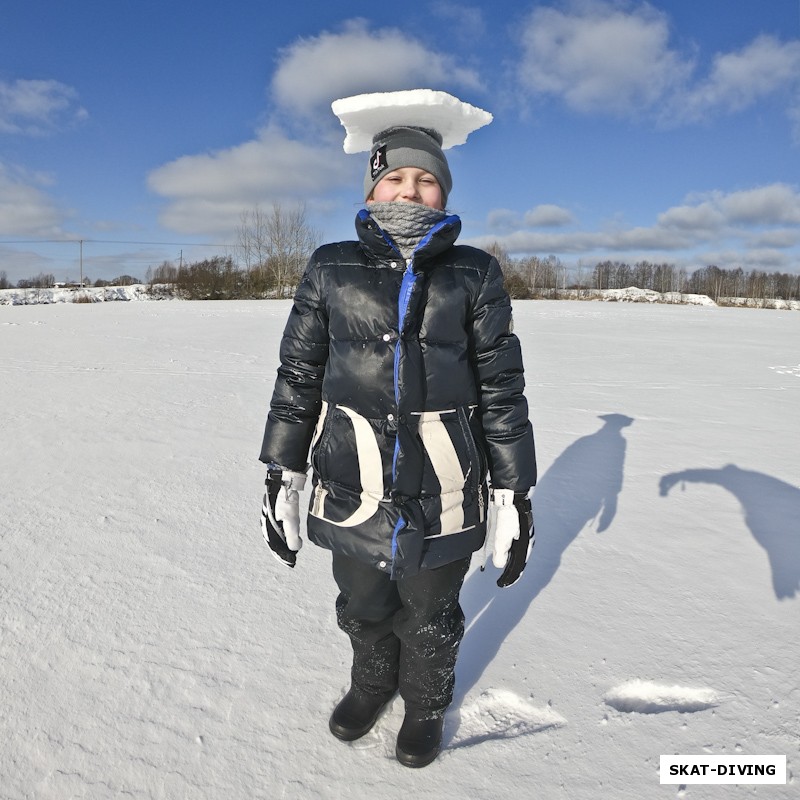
x=419, y=741
x=356, y=714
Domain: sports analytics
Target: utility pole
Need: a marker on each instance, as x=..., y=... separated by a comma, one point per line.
x=81, y=263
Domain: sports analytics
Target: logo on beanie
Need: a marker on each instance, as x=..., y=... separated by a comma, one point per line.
x=378, y=162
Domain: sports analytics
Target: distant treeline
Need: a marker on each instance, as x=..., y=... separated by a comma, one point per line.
x=46, y=280
x=534, y=277
x=221, y=278
x=713, y=281
x=218, y=278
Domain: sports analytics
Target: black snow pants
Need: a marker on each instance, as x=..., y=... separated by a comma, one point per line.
x=405, y=633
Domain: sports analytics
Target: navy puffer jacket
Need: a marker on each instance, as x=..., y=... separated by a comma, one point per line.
x=406, y=384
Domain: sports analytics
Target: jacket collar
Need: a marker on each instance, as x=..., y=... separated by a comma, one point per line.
x=378, y=245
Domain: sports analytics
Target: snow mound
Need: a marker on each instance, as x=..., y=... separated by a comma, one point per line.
x=500, y=714
x=632, y=294
x=364, y=115
x=89, y=294
x=646, y=697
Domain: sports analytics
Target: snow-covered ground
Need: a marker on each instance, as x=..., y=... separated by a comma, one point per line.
x=150, y=647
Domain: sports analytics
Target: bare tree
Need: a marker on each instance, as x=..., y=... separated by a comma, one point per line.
x=531, y=267
x=579, y=279
x=500, y=253
x=275, y=245
x=166, y=272
x=252, y=239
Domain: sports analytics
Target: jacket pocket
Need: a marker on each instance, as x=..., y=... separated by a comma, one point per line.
x=453, y=459
x=348, y=452
x=318, y=441
x=477, y=457
x=452, y=485
x=348, y=465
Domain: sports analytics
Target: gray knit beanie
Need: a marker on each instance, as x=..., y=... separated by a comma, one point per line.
x=408, y=147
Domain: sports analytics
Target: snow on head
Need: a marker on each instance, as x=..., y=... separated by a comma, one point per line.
x=365, y=115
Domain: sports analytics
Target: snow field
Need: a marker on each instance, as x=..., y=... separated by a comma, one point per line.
x=150, y=646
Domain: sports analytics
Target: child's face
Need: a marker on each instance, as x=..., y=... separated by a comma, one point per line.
x=409, y=185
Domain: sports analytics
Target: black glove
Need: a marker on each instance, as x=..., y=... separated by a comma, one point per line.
x=512, y=534
x=280, y=513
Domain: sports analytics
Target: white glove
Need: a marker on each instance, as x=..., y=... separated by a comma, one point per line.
x=506, y=525
x=510, y=534
x=280, y=513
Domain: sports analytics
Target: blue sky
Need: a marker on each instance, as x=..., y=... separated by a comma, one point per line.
x=667, y=131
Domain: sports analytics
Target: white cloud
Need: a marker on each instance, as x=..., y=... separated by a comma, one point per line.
x=548, y=216
x=740, y=79
x=740, y=214
x=576, y=242
x=541, y=216
x=208, y=192
x=778, y=238
x=756, y=218
x=38, y=106
x=702, y=217
x=600, y=58
x=317, y=70
x=25, y=209
x=764, y=259
x=503, y=219
x=775, y=204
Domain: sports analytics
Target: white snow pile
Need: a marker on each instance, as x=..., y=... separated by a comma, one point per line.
x=365, y=115
x=152, y=648
x=647, y=697
x=634, y=295
x=500, y=714
x=759, y=302
x=88, y=294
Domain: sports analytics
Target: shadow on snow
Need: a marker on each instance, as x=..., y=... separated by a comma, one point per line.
x=771, y=511
x=582, y=485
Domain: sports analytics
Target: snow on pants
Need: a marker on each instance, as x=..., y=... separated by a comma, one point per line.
x=405, y=633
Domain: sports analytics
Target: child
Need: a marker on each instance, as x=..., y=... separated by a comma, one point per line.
x=402, y=377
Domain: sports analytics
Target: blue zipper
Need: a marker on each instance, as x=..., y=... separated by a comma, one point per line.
x=401, y=523
x=406, y=289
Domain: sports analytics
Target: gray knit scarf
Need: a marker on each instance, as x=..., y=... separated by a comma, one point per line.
x=406, y=223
